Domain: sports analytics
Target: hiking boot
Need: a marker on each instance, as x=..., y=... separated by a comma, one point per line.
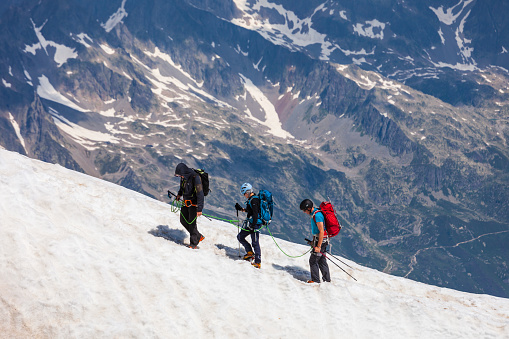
x=257, y=264
x=194, y=247
x=201, y=239
x=311, y=282
x=249, y=256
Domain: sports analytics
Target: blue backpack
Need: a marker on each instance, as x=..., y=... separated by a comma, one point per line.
x=266, y=206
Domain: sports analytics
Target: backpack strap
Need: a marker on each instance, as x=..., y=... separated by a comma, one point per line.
x=314, y=214
x=249, y=203
x=251, y=197
x=325, y=234
x=191, y=180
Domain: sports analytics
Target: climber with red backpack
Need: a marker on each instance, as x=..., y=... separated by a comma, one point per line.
x=320, y=230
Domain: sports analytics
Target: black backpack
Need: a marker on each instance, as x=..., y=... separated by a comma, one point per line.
x=204, y=176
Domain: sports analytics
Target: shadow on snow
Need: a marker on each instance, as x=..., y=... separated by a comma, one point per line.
x=232, y=253
x=175, y=235
x=297, y=272
x=178, y=236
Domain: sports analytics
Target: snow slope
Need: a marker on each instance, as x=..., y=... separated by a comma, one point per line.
x=81, y=257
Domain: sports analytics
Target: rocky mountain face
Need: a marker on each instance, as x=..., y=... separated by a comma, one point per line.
x=395, y=110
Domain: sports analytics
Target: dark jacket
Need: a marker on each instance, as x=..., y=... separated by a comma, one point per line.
x=253, y=210
x=190, y=186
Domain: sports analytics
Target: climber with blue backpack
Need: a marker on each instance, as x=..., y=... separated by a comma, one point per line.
x=259, y=210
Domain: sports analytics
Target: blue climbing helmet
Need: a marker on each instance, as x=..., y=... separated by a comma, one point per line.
x=245, y=188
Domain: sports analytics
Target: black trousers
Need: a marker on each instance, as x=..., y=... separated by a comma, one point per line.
x=188, y=220
x=318, y=263
x=255, y=240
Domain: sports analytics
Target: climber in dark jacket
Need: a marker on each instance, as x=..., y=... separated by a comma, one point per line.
x=191, y=191
x=252, y=225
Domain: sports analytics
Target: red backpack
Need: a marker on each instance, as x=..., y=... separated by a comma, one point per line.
x=332, y=226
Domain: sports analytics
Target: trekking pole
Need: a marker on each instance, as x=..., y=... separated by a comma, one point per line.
x=339, y=259
x=238, y=230
x=341, y=268
x=338, y=266
x=206, y=217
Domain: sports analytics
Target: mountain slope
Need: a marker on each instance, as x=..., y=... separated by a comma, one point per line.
x=85, y=258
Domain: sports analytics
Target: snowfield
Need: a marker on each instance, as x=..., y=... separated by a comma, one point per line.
x=84, y=258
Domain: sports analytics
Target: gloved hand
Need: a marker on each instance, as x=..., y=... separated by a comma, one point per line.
x=178, y=198
x=238, y=207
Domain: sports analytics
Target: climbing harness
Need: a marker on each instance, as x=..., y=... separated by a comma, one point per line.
x=176, y=206
x=189, y=203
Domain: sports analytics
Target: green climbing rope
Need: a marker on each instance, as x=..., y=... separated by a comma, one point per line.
x=177, y=205
x=290, y=256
